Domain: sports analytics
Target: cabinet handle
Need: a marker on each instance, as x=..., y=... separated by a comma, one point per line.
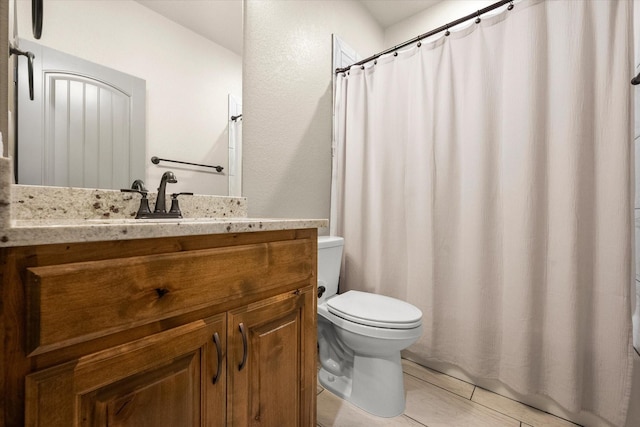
x=216, y=340
x=243, y=333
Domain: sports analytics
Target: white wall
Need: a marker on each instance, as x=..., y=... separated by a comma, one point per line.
x=188, y=79
x=287, y=100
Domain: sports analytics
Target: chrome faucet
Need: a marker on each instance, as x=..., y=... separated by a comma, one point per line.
x=161, y=206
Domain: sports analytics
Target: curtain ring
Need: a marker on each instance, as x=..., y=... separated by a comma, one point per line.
x=510, y=6
x=362, y=67
x=478, y=17
x=419, y=43
x=375, y=62
x=446, y=33
x=395, y=53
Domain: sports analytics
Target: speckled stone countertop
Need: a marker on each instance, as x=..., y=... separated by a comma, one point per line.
x=31, y=232
x=35, y=215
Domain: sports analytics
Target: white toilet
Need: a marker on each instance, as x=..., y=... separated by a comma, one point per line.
x=360, y=336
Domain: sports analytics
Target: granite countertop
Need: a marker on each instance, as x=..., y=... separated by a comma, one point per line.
x=30, y=232
x=36, y=215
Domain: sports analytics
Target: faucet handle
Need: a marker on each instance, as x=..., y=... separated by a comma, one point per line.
x=132, y=190
x=143, y=210
x=175, y=208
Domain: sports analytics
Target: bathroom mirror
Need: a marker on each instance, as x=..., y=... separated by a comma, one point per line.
x=189, y=54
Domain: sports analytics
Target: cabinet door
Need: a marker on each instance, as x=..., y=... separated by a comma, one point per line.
x=166, y=379
x=271, y=368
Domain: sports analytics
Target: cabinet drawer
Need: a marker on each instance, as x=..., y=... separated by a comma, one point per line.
x=72, y=303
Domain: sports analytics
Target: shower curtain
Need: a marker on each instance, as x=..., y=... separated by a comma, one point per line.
x=485, y=177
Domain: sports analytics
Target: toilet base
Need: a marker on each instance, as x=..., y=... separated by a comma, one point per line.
x=376, y=386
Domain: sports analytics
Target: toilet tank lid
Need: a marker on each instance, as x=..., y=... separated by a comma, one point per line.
x=329, y=241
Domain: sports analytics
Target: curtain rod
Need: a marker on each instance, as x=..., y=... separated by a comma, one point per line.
x=431, y=33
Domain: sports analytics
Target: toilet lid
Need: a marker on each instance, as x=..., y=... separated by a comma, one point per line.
x=375, y=310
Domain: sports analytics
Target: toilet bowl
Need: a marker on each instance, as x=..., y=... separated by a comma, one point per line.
x=360, y=336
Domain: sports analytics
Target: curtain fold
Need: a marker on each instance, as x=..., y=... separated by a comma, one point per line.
x=485, y=178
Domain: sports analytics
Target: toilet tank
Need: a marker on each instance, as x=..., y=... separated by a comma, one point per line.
x=329, y=260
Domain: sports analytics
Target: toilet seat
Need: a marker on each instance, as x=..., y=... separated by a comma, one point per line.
x=375, y=310
x=366, y=330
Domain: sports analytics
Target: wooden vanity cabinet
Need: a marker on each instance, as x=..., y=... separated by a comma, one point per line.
x=181, y=331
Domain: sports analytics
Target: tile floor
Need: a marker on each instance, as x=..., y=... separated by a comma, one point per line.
x=438, y=400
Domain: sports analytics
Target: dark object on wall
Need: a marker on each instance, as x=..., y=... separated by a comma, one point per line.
x=30, y=57
x=36, y=17
x=155, y=160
